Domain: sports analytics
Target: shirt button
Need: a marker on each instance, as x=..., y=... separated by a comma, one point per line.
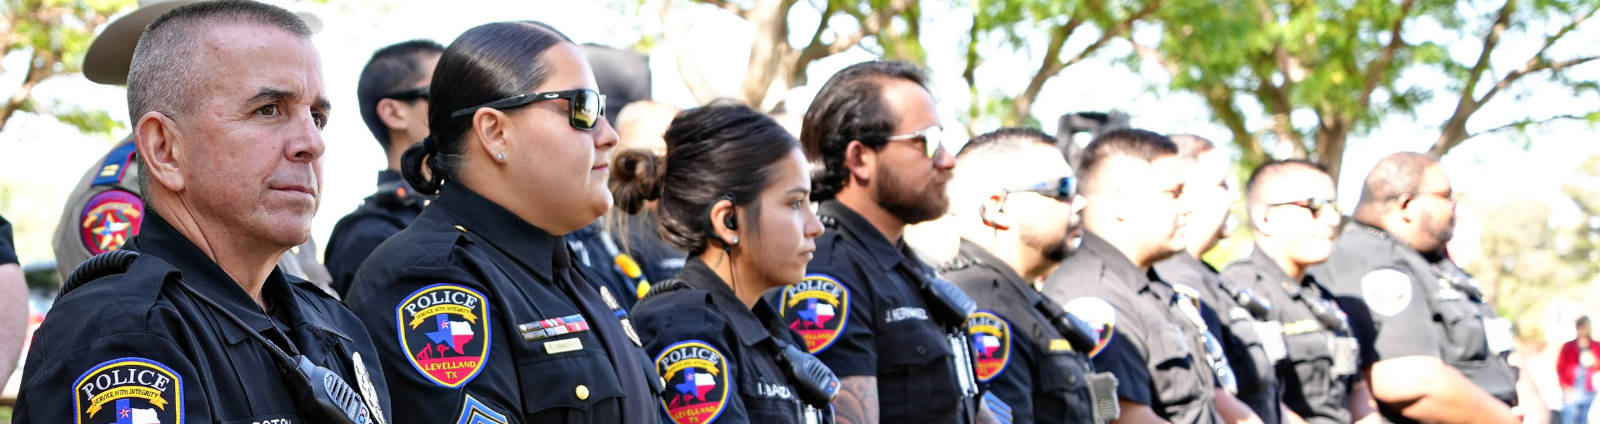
x=922, y=350
x=583, y=392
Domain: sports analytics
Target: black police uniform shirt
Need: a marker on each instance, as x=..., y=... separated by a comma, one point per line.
x=8, y=248
x=657, y=260
x=380, y=216
x=1401, y=304
x=1245, y=356
x=715, y=356
x=482, y=317
x=861, y=316
x=136, y=347
x=1318, y=366
x=1021, y=358
x=1155, y=350
x=593, y=253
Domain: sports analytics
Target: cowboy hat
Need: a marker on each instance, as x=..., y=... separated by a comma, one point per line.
x=112, y=51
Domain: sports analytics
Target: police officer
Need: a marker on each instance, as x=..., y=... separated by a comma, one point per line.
x=14, y=298
x=104, y=209
x=640, y=126
x=1433, y=350
x=734, y=193
x=882, y=320
x=1293, y=219
x=485, y=315
x=1249, y=385
x=393, y=91
x=1147, y=334
x=1015, y=199
x=193, y=322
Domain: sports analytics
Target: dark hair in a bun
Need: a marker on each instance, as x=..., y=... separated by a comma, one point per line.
x=715, y=150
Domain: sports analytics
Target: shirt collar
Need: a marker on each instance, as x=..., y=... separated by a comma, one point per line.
x=885, y=252
x=160, y=239
x=977, y=254
x=530, y=246
x=388, y=175
x=1114, y=260
x=1271, y=268
x=745, y=324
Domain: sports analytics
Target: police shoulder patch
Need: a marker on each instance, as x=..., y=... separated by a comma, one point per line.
x=109, y=219
x=1386, y=291
x=696, y=375
x=818, y=307
x=475, y=412
x=445, y=332
x=1100, y=315
x=135, y=390
x=991, y=344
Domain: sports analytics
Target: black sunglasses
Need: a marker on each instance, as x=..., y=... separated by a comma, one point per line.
x=1316, y=205
x=584, y=106
x=1060, y=189
x=418, y=93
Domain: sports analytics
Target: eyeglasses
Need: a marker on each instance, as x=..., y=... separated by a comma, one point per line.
x=1060, y=189
x=418, y=93
x=932, y=139
x=1316, y=205
x=584, y=109
x=1449, y=196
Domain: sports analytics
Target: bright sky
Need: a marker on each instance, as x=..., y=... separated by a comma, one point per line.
x=42, y=159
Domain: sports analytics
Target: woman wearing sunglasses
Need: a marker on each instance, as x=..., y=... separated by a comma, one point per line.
x=477, y=309
x=733, y=191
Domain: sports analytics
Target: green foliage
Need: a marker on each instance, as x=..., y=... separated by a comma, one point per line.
x=1525, y=262
x=55, y=34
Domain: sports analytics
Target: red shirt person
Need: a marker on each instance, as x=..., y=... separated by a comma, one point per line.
x=1576, y=367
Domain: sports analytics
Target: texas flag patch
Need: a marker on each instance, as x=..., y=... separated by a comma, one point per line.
x=991, y=344
x=697, y=382
x=445, y=332
x=817, y=307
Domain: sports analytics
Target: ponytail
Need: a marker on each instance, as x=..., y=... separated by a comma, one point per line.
x=637, y=179
x=422, y=168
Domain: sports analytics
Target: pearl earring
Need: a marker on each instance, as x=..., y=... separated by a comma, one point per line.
x=500, y=156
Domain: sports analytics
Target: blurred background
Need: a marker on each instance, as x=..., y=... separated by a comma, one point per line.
x=1505, y=90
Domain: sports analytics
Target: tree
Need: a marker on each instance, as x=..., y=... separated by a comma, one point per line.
x=776, y=66
x=1060, y=20
x=54, y=34
x=1525, y=262
x=1339, y=62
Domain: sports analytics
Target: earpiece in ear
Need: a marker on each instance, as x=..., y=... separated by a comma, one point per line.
x=728, y=221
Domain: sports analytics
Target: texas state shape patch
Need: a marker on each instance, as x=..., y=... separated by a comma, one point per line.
x=991, y=344
x=129, y=390
x=697, y=382
x=817, y=307
x=109, y=219
x=1100, y=315
x=444, y=330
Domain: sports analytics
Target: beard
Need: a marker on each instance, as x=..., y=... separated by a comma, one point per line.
x=1054, y=247
x=910, y=204
x=1441, y=229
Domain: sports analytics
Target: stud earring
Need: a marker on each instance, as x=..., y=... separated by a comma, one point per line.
x=735, y=240
x=500, y=156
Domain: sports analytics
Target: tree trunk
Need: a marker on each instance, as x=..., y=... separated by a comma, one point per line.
x=1331, y=137
x=768, y=49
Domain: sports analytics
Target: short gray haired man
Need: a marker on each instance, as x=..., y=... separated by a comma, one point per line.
x=192, y=321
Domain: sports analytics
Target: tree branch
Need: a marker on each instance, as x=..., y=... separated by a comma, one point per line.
x=1527, y=122
x=39, y=68
x=869, y=25
x=1375, y=73
x=1454, y=130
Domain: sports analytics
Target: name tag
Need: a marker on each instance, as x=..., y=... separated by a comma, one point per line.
x=1497, y=331
x=1059, y=345
x=559, y=346
x=1271, y=334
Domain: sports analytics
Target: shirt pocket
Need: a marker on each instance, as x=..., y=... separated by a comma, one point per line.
x=575, y=379
x=1464, y=331
x=1312, y=361
x=1064, y=375
x=1174, y=367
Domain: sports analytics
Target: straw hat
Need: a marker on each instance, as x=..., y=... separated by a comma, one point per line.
x=112, y=51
